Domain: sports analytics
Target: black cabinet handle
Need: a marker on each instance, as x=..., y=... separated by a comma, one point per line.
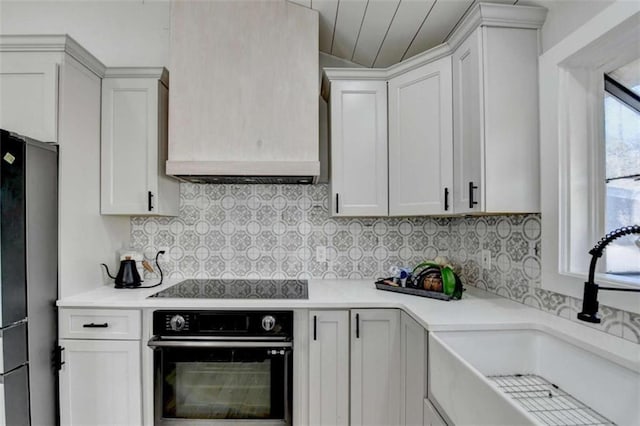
x=315, y=327
x=446, y=199
x=93, y=325
x=471, y=188
x=150, y=200
x=357, y=326
x=58, y=361
x=337, y=203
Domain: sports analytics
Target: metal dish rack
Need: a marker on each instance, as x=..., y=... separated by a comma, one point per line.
x=547, y=402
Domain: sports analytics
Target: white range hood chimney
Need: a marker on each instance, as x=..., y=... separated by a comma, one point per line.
x=243, y=105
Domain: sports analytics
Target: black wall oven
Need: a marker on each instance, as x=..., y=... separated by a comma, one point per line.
x=222, y=367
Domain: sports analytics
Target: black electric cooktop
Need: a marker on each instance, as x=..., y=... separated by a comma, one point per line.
x=236, y=289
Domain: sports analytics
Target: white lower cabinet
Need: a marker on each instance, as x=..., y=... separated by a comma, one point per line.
x=329, y=368
x=375, y=367
x=413, y=373
x=100, y=377
x=354, y=371
x=100, y=383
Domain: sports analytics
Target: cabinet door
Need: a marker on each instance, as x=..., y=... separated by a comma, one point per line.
x=421, y=141
x=375, y=367
x=511, y=147
x=100, y=383
x=29, y=94
x=413, y=383
x=329, y=368
x=359, y=184
x=134, y=148
x=468, y=124
x=129, y=151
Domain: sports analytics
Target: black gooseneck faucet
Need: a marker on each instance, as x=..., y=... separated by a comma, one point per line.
x=590, y=299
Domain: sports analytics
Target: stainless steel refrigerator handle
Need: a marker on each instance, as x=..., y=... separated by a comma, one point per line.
x=155, y=343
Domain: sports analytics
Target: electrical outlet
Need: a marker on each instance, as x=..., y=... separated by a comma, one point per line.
x=486, y=259
x=321, y=254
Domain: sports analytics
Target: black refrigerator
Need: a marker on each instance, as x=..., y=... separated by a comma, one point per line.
x=28, y=280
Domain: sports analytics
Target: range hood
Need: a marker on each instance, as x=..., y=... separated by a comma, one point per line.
x=265, y=172
x=243, y=106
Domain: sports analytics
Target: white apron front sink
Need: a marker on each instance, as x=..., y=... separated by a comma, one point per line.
x=460, y=363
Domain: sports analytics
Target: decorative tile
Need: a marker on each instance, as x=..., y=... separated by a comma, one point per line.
x=552, y=302
x=418, y=241
x=611, y=319
x=214, y=240
x=631, y=327
x=342, y=240
x=393, y=241
x=517, y=247
x=492, y=243
x=272, y=231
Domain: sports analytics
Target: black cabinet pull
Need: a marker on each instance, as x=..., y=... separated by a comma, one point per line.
x=94, y=325
x=357, y=326
x=58, y=361
x=315, y=327
x=150, y=201
x=337, y=203
x=471, y=188
x=446, y=199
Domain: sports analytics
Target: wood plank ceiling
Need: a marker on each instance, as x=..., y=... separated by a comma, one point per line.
x=379, y=33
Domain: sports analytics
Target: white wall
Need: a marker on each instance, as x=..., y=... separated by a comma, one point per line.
x=565, y=16
x=117, y=32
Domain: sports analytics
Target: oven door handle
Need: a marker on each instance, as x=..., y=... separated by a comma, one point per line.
x=159, y=343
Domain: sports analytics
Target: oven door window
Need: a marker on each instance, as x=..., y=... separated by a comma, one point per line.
x=223, y=383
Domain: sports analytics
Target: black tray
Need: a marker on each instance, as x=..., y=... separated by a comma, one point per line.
x=413, y=291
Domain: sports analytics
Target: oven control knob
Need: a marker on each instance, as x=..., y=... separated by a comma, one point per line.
x=268, y=322
x=177, y=323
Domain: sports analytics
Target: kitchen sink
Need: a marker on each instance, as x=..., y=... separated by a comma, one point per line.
x=528, y=376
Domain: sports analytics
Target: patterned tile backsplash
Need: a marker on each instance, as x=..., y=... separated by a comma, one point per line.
x=274, y=231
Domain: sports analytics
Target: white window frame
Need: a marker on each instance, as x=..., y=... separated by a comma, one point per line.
x=572, y=161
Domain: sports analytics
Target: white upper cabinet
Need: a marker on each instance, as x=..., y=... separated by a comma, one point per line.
x=462, y=121
x=134, y=144
x=495, y=98
x=359, y=148
x=469, y=125
x=420, y=141
x=29, y=94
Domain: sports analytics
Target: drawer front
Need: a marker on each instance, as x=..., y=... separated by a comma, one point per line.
x=117, y=324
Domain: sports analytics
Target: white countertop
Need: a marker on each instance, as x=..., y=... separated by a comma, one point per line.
x=476, y=310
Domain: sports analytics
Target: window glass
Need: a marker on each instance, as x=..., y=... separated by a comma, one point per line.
x=622, y=203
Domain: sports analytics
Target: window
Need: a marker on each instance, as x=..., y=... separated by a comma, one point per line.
x=622, y=167
x=586, y=193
